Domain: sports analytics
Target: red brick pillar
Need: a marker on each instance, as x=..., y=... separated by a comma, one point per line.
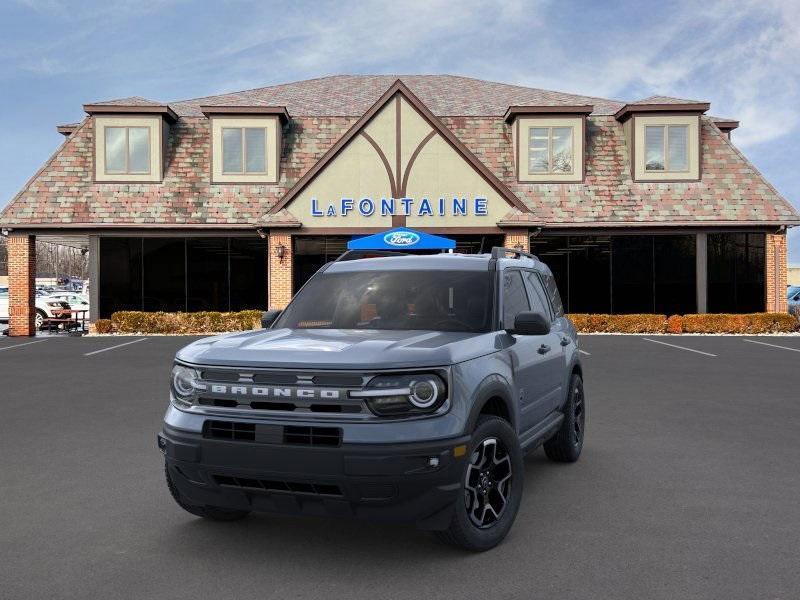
x=776, y=273
x=517, y=239
x=280, y=269
x=21, y=284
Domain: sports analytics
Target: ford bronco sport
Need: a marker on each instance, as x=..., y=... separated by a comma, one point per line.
x=392, y=387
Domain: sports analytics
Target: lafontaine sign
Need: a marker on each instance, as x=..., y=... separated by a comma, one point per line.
x=422, y=207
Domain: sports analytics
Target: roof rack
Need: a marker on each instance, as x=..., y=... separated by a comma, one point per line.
x=358, y=254
x=499, y=252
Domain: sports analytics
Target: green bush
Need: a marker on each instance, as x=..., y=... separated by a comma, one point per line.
x=197, y=322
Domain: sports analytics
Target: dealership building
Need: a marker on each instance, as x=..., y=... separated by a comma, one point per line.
x=233, y=201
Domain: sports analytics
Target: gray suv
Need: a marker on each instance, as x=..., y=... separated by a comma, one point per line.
x=393, y=387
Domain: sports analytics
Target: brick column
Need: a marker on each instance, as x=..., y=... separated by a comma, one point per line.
x=775, y=273
x=21, y=284
x=517, y=238
x=280, y=270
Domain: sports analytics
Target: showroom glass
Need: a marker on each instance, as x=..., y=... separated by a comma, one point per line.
x=622, y=274
x=666, y=147
x=194, y=274
x=127, y=150
x=736, y=265
x=549, y=150
x=244, y=150
x=394, y=300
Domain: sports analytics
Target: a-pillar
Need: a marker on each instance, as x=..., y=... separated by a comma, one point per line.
x=517, y=239
x=776, y=273
x=279, y=260
x=21, y=284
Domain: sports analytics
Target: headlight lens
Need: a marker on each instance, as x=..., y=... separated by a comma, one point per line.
x=404, y=394
x=184, y=381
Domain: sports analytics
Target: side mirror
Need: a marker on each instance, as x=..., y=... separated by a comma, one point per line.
x=268, y=318
x=531, y=323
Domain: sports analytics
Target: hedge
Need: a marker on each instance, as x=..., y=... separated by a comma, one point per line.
x=707, y=323
x=218, y=322
x=196, y=322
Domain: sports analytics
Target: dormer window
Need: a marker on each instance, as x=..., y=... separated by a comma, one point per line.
x=550, y=150
x=245, y=143
x=548, y=142
x=127, y=150
x=666, y=148
x=244, y=150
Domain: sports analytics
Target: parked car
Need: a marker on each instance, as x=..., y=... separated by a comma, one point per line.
x=793, y=296
x=46, y=307
x=402, y=388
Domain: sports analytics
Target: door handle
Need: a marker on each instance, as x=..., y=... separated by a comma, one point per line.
x=544, y=349
x=565, y=341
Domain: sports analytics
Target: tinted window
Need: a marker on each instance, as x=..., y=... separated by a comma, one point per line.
x=536, y=294
x=552, y=292
x=515, y=300
x=397, y=300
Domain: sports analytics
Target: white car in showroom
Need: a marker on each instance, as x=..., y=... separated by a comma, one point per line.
x=47, y=307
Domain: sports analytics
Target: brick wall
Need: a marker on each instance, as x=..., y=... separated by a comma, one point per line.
x=21, y=284
x=280, y=271
x=517, y=237
x=776, y=273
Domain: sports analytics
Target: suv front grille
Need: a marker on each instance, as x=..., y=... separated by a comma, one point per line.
x=312, y=436
x=230, y=430
x=288, y=487
x=273, y=434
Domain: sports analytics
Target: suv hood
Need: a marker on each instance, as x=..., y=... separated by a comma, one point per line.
x=339, y=349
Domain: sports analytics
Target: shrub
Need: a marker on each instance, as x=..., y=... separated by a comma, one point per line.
x=675, y=324
x=746, y=323
x=196, y=322
x=706, y=323
x=103, y=326
x=619, y=323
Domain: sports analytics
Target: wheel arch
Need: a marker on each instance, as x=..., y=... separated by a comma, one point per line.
x=493, y=397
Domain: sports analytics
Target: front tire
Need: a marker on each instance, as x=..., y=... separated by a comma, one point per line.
x=491, y=488
x=567, y=443
x=214, y=513
x=39, y=318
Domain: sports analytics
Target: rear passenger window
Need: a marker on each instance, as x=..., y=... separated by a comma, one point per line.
x=552, y=292
x=515, y=300
x=536, y=294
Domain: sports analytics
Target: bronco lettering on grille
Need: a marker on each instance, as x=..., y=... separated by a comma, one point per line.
x=276, y=392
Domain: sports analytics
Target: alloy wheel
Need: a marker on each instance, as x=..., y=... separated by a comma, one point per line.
x=488, y=483
x=579, y=414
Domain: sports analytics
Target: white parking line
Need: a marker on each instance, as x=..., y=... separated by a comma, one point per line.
x=113, y=347
x=771, y=345
x=584, y=352
x=680, y=347
x=20, y=345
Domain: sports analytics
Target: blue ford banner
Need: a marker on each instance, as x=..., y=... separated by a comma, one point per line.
x=401, y=238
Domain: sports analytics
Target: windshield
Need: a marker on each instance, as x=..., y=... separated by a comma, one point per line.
x=429, y=300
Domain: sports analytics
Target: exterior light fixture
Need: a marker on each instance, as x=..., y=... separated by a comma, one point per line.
x=280, y=252
x=517, y=246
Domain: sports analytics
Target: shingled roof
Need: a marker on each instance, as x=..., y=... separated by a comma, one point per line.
x=731, y=191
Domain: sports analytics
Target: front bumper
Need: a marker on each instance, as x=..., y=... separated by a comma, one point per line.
x=402, y=482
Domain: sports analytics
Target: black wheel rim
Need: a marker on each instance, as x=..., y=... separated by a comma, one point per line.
x=578, y=414
x=487, y=487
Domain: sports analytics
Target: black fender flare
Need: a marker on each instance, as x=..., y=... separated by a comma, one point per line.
x=493, y=386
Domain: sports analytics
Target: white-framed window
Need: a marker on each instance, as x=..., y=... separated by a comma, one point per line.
x=666, y=148
x=550, y=150
x=127, y=150
x=244, y=150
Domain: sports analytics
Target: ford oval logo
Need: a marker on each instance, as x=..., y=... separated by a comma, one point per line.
x=401, y=238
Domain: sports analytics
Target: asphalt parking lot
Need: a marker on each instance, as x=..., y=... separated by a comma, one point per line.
x=688, y=488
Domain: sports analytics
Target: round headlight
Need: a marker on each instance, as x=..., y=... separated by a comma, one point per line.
x=424, y=393
x=183, y=379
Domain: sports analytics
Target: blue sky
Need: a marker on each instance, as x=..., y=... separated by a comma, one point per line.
x=56, y=55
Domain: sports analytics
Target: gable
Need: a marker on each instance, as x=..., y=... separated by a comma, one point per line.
x=398, y=161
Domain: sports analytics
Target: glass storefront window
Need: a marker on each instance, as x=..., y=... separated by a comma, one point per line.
x=180, y=274
x=736, y=272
